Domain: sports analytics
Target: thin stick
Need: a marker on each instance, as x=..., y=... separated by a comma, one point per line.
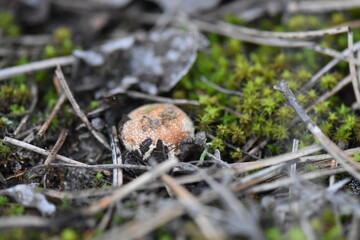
x=60, y=141
x=139, y=95
x=25, y=221
x=41, y=151
x=35, y=66
x=230, y=30
x=347, y=162
x=220, y=89
x=321, y=6
x=101, y=166
x=354, y=79
x=61, y=100
x=77, y=109
x=130, y=187
x=137, y=229
x=283, y=182
x=288, y=35
x=282, y=158
x=191, y=203
x=322, y=157
x=327, y=68
x=337, y=88
x=116, y=158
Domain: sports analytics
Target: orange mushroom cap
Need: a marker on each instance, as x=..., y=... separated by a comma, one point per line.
x=164, y=122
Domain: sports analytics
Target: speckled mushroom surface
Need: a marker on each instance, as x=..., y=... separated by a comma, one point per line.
x=156, y=121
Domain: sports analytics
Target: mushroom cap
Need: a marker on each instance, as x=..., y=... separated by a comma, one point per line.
x=164, y=122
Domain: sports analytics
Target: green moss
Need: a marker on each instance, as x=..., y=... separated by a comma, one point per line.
x=15, y=210
x=328, y=81
x=260, y=111
x=50, y=98
x=356, y=156
x=302, y=22
x=50, y=51
x=273, y=234
x=69, y=234
x=8, y=26
x=61, y=34
x=93, y=105
x=295, y=233
x=16, y=109
x=3, y=200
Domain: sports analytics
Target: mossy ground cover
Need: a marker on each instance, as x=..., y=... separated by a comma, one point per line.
x=260, y=111
x=234, y=122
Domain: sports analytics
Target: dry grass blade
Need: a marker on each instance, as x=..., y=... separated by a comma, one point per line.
x=194, y=208
x=60, y=141
x=284, y=182
x=23, y=221
x=247, y=166
x=220, y=89
x=330, y=93
x=130, y=187
x=327, y=68
x=321, y=6
x=322, y=157
x=75, y=105
x=289, y=35
x=41, y=151
x=35, y=66
x=138, y=229
x=116, y=157
x=347, y=162
x=139, y=95
x=232, y=31
x=354, y=79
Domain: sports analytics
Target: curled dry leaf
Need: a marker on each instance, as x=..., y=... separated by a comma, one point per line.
x=163, y=59
x=27, y=196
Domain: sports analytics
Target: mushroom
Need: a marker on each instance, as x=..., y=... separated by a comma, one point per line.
x=164, y=122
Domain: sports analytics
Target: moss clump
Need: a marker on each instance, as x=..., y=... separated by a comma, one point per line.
x=260, y=111
x=8, y=25
x=13, y=97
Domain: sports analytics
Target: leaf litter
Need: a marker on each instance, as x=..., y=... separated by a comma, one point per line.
x=211, y=193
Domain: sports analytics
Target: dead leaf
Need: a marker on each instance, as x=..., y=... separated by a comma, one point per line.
x=163, y=59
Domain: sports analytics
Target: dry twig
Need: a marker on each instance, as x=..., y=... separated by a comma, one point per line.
x=35, y=66
x=347, y=162
x=247, y=166
x=194, y=208
x=116, y=157
x=61, y=100
x=60, y=141
x=139, y=95
x=354, y=79
x=77, y=109
x=41, y=151
x=130, y=187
